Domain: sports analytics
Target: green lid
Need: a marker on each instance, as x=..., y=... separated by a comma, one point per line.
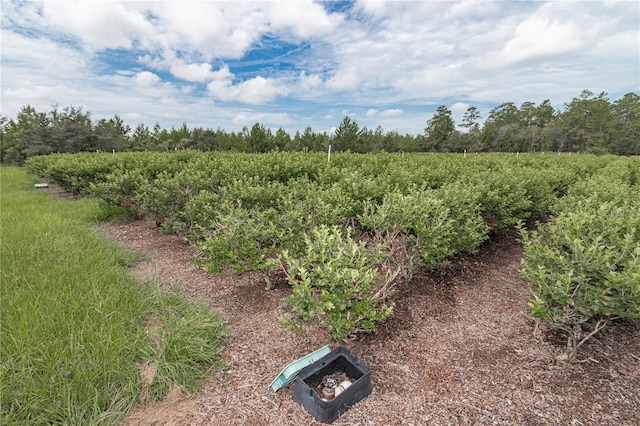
x=290, y=372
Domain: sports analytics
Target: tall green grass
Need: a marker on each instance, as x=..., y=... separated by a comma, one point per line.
x=72, y=321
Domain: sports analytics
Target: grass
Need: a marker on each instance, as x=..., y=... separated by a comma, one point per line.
x=72, y=321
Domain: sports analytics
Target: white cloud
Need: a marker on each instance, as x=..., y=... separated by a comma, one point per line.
x=146, y=78
x=221, y=81
x=304, y=18
x=192, y=72
x=310, y=82
x=394, y=112
x=459, y=108
x=257, y=90
x=409, y=11
x=99, y=25
x=38, y=72
x=535, y=38
x=208, y=29
x=132, y=117
x=372, y=7
x=249, y=118
x=30, y=92
x=457, y=111
x=39, y=56
x=344, y=79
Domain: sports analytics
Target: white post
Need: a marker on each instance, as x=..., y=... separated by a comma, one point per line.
x=329, y=154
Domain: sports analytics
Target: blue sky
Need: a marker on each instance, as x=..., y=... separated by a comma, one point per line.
x=294, y=64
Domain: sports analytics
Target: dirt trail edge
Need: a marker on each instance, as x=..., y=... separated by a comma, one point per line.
x=460, y=349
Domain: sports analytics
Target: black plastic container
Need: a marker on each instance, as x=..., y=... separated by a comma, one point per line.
x=342, y=360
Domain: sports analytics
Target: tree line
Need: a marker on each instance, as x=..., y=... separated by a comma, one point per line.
x=590, y=123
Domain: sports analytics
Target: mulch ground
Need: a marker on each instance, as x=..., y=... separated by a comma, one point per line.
x=460, y=349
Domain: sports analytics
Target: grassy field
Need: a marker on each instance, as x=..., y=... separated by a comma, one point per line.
x=73, y=335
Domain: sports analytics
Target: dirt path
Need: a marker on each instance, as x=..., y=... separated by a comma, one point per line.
x=459, y=350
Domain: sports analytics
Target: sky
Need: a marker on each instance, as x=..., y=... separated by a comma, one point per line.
x=293, y=64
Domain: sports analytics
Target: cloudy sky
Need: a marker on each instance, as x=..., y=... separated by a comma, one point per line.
x=291, y=64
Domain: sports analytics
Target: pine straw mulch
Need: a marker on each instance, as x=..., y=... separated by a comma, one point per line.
x=460, y=349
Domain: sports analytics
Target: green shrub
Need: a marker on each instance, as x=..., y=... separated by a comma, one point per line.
x=469, y=227
x=423, y=221
x=584, y=268
x=337, y=284
x=504, y=198
x=238, y=238
x=121, y=189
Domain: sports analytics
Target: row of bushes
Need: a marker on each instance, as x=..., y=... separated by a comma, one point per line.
x=252, y=212
x=584, y=264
